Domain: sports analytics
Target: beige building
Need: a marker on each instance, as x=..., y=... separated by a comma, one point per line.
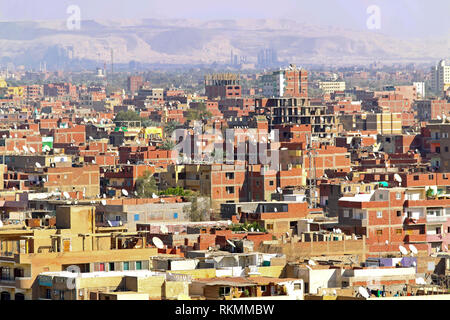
x=75, y=242
x=331, y=86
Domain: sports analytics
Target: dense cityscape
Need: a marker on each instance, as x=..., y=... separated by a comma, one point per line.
x=252, y=178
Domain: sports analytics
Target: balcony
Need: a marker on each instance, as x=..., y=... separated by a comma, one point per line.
x=432, y=219
x=24, y=282
x=413, y=238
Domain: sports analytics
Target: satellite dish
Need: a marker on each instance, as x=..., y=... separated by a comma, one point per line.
x=44, y=180
x=158, y=242
x=397, y=177
x=164, y=229
x=66, y=195
x=38, y=165
x=104, y=196
x=414, y=263
x=125, y=192
x=16, y=149
x=363, y=292
x=387, y=242
x=90, y=138
x=32, y=150
x=279, y=190
x=251, y=229
x=1, y=224
x=25, y=148
x=438, y=117
x=420, y=280
x=93, y=161
x=311, y=263
x=231, y=243
x=103, y=202
x=154, y=196
x=413, y=249
x=403, y=250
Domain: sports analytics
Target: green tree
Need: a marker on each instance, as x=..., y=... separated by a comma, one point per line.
x=127, y=116
x=167, y=145
x=146, y=185
x=170, y=127
x=198, y=113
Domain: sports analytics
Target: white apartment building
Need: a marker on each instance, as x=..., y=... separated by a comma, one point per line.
x=440, y=77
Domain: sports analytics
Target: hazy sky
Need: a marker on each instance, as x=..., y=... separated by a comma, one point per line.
x=418, y=18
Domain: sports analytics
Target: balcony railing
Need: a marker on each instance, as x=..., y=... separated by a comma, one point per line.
x=437, y=218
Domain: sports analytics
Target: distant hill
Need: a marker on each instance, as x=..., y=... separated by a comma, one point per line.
x=192, y=42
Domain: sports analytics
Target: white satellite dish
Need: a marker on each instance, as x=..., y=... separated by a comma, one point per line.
x=90, y=138
x=403, y=250
x=103, y=202
x=25, y=148
x=154, y=196
x=311, y=263
x=231, y=243
x=363, y=292
x=32, y=150
x=251, y=229
x=413, y=249
x=66, y=195
x=279, y=190
x=1, y=224
x=38, y=165
x=387, y=242
x=44, y=180
x=420, y=280
x=93, y=161
x=414, y=263
x=438, y=117
x=16, y=149
x=158, y=242
x=125, y=192
x=163, y=229
x=397, y=177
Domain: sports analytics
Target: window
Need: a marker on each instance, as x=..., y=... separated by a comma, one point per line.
x=48, y=294
x=118, y=218
x=368, y=188
x=446, y=149
x=230, y=190
x=380, y=196
x=136, y=217
x=111, y=266
x=229, y=175
x=398, y=196
x=297, y=286
x=138, y=265
x=430, y=177
x=398, y=231
x=271, y=183
x=270, y=227
x=416, y=177
x=224, y=291
x=379, y=214
x=126, y=266
x=379, y=232
x=346, y=213
x=263, y=288
x=399, y=213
